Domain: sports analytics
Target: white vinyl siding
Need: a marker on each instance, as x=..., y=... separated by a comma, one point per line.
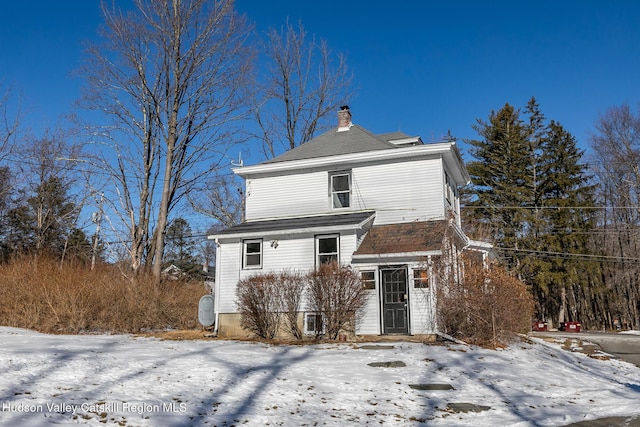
x=228, y=258
x=400, y=192
x=422, y=304
x=295, y=253
x=369, y=323
x=287, y=195
x=404, y=191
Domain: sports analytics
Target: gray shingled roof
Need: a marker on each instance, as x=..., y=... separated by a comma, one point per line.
x=285, y=224
x=393, y=136
x=332, y=143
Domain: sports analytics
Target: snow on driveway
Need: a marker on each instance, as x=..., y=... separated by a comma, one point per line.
x=121, y=379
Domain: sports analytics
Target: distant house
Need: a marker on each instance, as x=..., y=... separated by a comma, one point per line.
x=384, y=204
x=173, y=272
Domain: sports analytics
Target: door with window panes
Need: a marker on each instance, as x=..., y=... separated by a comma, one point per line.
x=395, y=299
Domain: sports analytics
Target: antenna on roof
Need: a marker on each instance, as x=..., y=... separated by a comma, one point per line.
x=240, y=162
x=449, y=137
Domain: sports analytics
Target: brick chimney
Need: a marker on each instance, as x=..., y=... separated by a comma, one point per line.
x=344, y=118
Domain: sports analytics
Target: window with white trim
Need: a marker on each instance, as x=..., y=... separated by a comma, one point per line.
x=327, y=249
x=421, y=278
x=340, y=188
x=449, y=189
x=368, y=279
x=252, y=253
x=313, y=324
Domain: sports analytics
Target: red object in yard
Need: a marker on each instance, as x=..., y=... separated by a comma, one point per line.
x=540, y=326
x=571, y=327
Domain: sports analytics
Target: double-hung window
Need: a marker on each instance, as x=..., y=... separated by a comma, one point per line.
x=327, y=249
x=421, y=278
x=252, y=251
x=340, y=187
x=368, y=279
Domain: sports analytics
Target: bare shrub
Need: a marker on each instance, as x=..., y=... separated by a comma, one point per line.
x=291, y=288
x=37, y=293
x=337, y=294
x=487, y=306
x=259, y=304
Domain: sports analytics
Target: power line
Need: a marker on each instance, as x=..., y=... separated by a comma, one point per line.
x=569, y=255
x=549, y=207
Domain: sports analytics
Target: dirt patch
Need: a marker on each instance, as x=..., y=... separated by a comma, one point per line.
x=578, y=345
x=179, y=335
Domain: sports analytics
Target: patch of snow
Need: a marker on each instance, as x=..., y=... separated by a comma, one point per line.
x=93, y=379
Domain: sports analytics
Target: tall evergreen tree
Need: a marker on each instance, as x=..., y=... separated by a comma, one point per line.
x=532, y=189
x=499, y=176
x=566, y=216
x=44, y=220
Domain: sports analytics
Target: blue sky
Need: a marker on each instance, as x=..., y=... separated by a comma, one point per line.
x=422, y=67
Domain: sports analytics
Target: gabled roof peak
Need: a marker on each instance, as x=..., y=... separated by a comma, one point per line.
x=336, y=142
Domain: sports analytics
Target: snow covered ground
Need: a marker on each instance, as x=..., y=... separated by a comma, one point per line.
x=120, y=379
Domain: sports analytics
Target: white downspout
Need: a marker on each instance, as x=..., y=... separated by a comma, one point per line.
x=216, y=287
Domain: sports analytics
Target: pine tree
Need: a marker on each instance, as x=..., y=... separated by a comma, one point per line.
x=181, y=246
x=499, y=176
x=566, y=215
x=42, y=222
x=531, y=188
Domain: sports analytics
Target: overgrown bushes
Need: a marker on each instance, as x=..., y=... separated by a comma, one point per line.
x=484, y=306
x=336, y=293
x=487, y=307
x=39, y=294
x=266, y=301
x=262, y=305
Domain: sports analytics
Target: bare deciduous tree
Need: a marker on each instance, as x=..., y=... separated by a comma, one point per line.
x=222, y=199
x=170, y=77
x=9, y=124
x=616, y=144
x=304, y=83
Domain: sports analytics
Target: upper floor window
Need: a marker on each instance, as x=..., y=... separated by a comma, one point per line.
x=449, y=191
x=340, y=187
x=252, y=250
x=327, y=249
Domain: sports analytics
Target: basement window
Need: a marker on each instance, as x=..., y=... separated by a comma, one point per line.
x=313, y=324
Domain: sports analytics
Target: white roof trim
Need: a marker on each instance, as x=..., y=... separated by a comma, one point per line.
x=448, y=150
x=405, y=141
x=291, y=231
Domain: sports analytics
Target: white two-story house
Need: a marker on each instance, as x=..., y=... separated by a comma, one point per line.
x=380, y=203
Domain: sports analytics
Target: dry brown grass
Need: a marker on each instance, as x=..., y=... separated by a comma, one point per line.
x=38, y=294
